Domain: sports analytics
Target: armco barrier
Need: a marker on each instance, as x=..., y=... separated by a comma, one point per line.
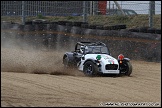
x=64, y=35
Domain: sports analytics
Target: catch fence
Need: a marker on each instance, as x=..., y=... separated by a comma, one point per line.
x=83, y=9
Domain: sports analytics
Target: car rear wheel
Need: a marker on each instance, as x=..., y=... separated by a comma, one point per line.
x=90, y=69
x=66, y=62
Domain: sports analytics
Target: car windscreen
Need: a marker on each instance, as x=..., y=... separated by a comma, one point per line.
x=118, y=12
x=97, y=50
x=130, y=12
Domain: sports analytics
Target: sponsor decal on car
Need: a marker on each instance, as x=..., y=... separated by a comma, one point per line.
x=111, y=61
x=98, y=57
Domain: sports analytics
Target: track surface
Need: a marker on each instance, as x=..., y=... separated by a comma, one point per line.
x=54, y=86
x=27, y=89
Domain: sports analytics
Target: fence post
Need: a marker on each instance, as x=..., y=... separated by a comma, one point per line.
x=84, y=12
x=151, y=12
x=91, y=7
x=23, y=12
x=95, y=7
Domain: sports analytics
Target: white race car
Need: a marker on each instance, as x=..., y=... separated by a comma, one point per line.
x=93, y=58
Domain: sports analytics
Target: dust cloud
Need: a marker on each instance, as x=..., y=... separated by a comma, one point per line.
x=18, y=56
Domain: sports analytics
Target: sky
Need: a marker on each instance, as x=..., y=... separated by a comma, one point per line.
x=141, y=7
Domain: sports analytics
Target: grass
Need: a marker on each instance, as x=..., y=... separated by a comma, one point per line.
x=130, y=21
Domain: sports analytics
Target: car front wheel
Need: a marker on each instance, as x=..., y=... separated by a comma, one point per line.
x=90, y=69
x=126, y=68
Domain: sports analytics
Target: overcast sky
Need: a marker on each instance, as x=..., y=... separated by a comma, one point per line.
x=141, y=7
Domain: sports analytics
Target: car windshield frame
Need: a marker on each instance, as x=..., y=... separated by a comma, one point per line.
x=96, y=50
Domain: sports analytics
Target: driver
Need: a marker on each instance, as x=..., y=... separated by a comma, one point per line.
x=86, y=49
x=81, y=49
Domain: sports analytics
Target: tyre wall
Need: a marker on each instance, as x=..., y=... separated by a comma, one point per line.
x=64, y=35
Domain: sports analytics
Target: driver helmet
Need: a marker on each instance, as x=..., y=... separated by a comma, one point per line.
x=81, y=49
x=86, y=49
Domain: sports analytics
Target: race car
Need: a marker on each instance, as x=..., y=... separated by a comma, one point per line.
x=94, y=58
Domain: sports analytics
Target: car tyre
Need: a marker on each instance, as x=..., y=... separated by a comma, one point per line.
x=66, y=62
x=90, y=69
x=128, y=70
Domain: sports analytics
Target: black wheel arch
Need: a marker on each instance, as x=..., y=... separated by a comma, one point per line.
x=94, y=61
x=69, y=55
x=126, y=59
x=68, y=59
